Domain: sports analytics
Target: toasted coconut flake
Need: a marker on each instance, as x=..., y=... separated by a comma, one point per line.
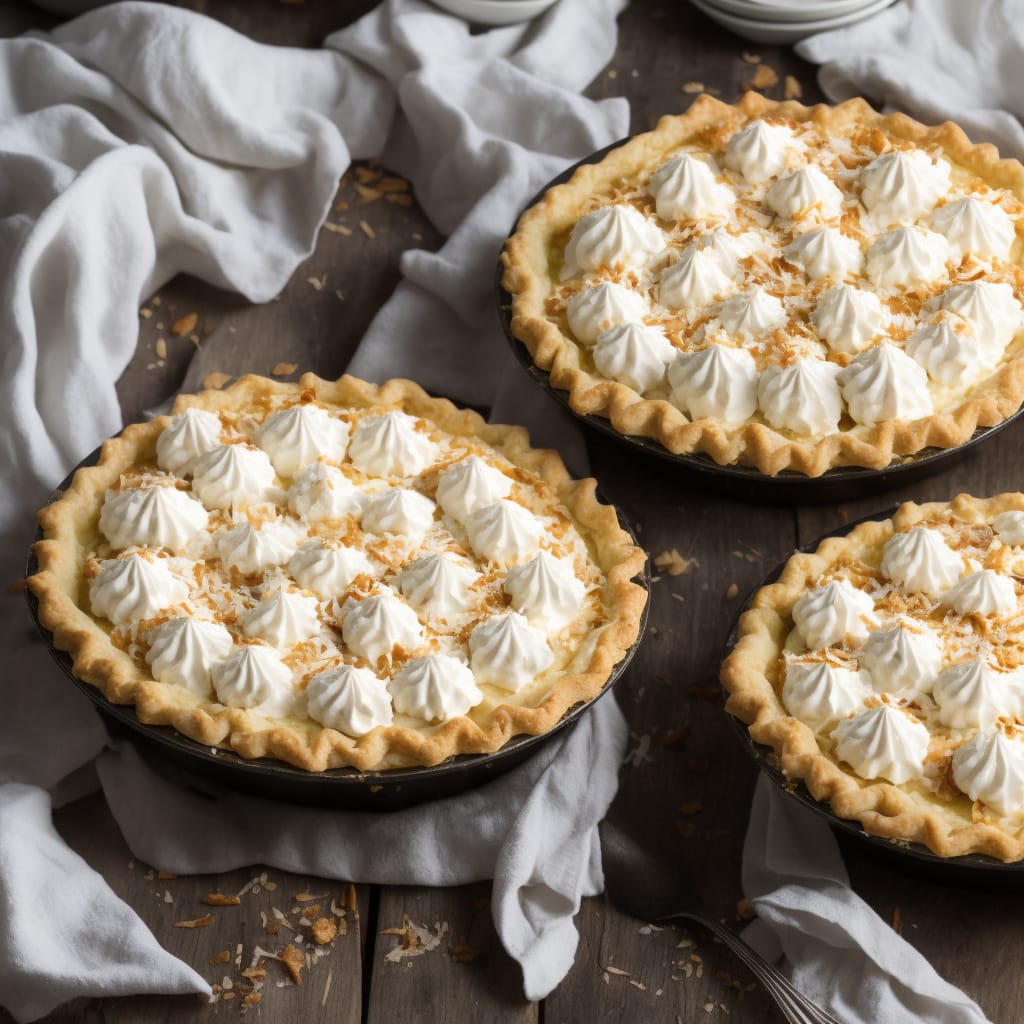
x=198, y=922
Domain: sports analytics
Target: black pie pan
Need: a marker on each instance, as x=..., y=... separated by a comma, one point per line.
x=846, y=483
x=201, y=767
x=975, y=869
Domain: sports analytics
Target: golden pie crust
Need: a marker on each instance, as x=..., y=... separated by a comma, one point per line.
x=70, y=532
x=937, y=815
x=533, y=256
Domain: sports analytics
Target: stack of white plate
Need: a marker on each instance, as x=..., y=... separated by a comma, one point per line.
x=786, y=21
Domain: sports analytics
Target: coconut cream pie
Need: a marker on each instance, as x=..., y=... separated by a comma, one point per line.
x=781, y=286
x=887, y=672
x=335, y=574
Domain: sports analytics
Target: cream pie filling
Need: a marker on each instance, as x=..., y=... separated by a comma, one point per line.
x=391, y=548
x=836, y=237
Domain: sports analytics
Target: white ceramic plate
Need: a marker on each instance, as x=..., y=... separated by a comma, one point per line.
x=780, y=32
x=495, y=12
x=802, y=12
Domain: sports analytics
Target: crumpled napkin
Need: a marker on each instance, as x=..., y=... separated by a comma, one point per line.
x=842, y=954
x=140, y=141
x=937, y=60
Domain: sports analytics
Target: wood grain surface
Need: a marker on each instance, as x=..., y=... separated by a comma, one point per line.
x=686, y=783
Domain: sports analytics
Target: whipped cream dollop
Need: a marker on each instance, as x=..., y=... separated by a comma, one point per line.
x=752, y=314
x=884, y=383
x=283, y=619
x=990, y=306
x=950, y=350
x=698, y=278
x=973, y=225
x=832, y=613
x=470, y=484
x=438, y=585
x=328, y=568
x=374, y=626
x=254, y=677
x=973, y=694
x=718, y=382
x=903, y=185
x=186, y=436
x=251, y=549
x=155, y=517
x=906, y=257
x=847, y=318
x=321, y=491
x=604, y=305
x=634, y=354
x=301, y=434
x=136, y=586
x=504, y=532
x=760, y=150
x=349, y=699
x=821, y=693
x=883, y=743
x=612, y=236
x=546, y=590
x=399, y=511
x=805, y=192
x=906, y=656
x=507, y=652
x=390, y=445
x=825, y=252
x=1009, y=526
x=984, y=592
x=732, y=248
x=990, y=767
x=803, y=397
x=920, y=561
x=231, y=476
x=684, y=188
x=182, y=651
x=435, y=688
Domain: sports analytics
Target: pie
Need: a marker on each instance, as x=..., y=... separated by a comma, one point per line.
x=332, y=574
x=886, y=670
x=779, y=286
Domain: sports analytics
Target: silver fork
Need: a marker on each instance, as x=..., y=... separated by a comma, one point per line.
x=638, y=884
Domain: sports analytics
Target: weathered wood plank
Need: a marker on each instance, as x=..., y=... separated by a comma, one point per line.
x=237, y=939
x=465, y=976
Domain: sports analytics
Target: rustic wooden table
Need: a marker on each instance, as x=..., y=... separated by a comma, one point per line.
x=686, y=784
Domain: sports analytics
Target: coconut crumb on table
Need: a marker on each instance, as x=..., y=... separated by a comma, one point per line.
x=764, y=78
x=673, y=563
x=792, y=90
x=219, y=899
x=186, y=324
x=323, y=930
x=293, y=962
x=199, y=922
x=283, y=369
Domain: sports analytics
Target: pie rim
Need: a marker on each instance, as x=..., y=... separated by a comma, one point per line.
x=882, y=808
x=96, y=661
x=754, y=444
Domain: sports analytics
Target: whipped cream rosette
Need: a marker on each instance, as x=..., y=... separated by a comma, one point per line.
x=886, y=670
x=336, y=574
x=819, y=241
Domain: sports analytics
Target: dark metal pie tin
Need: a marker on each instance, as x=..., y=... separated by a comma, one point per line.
x=845, y=483
x=200, y=766
x=975, y=869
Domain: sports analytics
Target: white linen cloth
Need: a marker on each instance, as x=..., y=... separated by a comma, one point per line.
x=141, y=141
x=842, y=954
x=936, y=60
